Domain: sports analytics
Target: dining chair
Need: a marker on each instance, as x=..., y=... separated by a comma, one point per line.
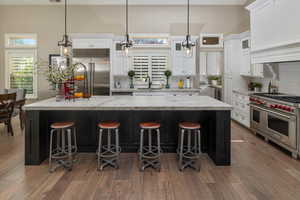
x=7, y=103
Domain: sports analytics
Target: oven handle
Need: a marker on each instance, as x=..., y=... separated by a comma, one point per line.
x=275, y=113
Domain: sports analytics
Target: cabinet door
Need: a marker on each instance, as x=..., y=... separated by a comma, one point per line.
x=188, y=66
x=213, y=63
x=228, y=90
x=203, y=64
x=182, y=65
x=258, y=70
x=228, y=49
x=120, y=62
x=246, y=64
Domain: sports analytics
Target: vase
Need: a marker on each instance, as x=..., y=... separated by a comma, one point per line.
x=60, y=93
x=167, y=85
x=131, y=83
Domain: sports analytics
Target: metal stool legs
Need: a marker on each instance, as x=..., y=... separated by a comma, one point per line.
x=64, y=151
x=108, y=155
x=149, y=156
x=188, y=155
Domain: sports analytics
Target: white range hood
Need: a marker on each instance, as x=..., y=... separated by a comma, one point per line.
x=275, y=31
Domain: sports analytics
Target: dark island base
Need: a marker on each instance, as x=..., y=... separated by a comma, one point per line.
x=215, y=131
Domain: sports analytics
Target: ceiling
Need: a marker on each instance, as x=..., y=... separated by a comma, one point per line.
x=121, y=2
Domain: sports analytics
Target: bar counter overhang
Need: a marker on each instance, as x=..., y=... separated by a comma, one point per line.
x=213, y=115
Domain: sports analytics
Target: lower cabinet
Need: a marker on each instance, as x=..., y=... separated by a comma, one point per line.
x=241, y=109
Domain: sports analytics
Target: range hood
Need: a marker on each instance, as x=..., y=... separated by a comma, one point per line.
x=285, y=53
x=275, y=33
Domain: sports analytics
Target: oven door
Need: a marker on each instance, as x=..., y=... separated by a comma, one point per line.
x=283, y=127
x=257, y=115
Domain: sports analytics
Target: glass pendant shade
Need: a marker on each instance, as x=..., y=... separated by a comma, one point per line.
x=188, y=46
x=126, y=45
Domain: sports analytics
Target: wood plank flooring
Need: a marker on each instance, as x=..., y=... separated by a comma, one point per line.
x=258, y=172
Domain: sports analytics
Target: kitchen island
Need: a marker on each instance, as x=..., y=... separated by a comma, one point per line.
x=213, y=115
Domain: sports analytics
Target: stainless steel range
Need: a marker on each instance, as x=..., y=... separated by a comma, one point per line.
x=276, y=117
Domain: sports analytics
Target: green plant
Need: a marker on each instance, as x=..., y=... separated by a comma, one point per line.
x=213, y=78
x=168, y=73
x=131, y=73
x=257, y=85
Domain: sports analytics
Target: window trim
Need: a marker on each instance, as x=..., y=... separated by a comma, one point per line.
x=22, y=35
x=7, y=70
x=151, y=36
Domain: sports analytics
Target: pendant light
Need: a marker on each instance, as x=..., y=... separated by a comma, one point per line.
x=127, y=43
x=65, y=44
x=187, y=44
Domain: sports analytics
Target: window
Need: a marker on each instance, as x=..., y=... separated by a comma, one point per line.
x=20, y=63
x=151, y=40
x=150, y=64
x=20, y=41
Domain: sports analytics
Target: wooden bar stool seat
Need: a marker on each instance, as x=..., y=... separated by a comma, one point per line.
x=61, y=125
x=150, y=125
x=189, y=125
x=109, y=125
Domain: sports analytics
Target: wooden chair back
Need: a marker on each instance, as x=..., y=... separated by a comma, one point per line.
x=7, y=103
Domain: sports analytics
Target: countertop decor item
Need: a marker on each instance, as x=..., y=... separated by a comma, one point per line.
x=255, y=86
x=131, y=74
x=168, y=73
x=180, y=84
x=213, y=80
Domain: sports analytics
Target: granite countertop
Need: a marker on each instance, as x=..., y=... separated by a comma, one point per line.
x=216, y=86
x=155, y=90
x=133, y=103
x=245, y=92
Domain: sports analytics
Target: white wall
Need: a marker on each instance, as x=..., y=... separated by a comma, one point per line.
x=47, y=22
x=289, y=78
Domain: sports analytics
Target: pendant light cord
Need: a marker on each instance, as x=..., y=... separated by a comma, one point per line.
x=66, y=10
x=126, y=17
x=188, y=17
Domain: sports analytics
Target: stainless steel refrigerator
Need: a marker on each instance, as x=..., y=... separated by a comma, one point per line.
x=97, y=62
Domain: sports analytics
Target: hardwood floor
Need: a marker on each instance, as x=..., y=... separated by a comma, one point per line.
x=258, y=172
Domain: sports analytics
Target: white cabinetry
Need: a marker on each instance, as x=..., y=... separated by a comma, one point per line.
x=182, y=65
x=232, y=80
x=274, y=30
x=83, y=43
x=247, y=68
x=120, y=64
x=214, y=63
x=241, y=108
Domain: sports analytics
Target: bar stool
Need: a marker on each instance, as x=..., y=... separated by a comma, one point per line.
x=149, y=156
x=108, y=155
x=189, y=156
x=63, y=151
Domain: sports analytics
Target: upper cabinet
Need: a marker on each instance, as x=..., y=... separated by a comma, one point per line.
x=247, y=67
x=120, y=62
x=211, y=63
x=182, y=65
x=275, y=31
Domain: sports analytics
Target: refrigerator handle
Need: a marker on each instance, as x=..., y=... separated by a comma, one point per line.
x=92, y=77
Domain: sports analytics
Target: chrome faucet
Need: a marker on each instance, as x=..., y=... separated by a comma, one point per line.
x=149, y=81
